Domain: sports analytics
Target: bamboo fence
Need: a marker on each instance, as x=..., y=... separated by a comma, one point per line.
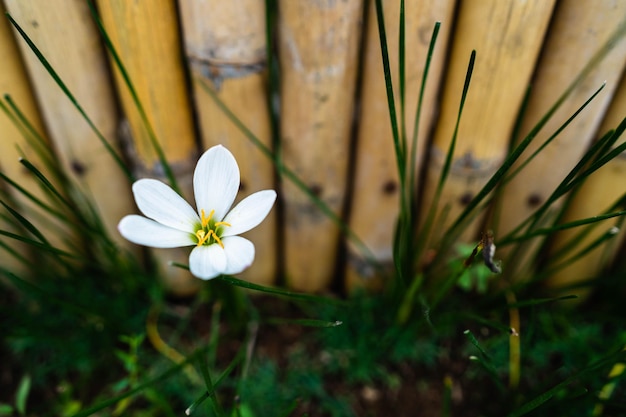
x=333, y=130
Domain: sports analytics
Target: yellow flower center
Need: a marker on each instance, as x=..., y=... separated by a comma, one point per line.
x=210, y=230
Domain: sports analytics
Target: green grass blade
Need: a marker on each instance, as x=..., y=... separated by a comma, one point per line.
x=140, y=387
x=25, y=223
x=278, y=291
x=273, y=75
x=550, y=230
x=549, y=394
x=402, y=77
x=576, y=177
x=15, y=254
x=499, y=176
x=133, y=93
x=38, y=245
x=516, y=153
x=38, y=202
x=391, y=103
x=445, y=171
x=28, y=131
x=539, y=301
x=57, y=79
x=555, y=266
x=484, y=360
x=46, y=183
x=449, y=156
x=553, y=136
x=210, y=392
x=304, y=322
x=269, y=290
x=420, y=102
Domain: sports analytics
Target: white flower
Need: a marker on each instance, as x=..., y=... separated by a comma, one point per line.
x=171, y=222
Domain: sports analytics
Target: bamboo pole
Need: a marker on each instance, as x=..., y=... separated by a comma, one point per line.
x=578, y=30
x=146, y=36
x=226, y=49
x=507, y=37
x=595, y=196
x=375, y=199
x=64, y=32
x=318, y=50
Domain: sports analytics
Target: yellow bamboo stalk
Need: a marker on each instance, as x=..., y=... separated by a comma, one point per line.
x=14, y=82
x=318, y=50
x=375, y=198
x=66, y=35
x=595, y=196
x=146, y=36
x=225, y=47
x=578, y=30
x=507, y=37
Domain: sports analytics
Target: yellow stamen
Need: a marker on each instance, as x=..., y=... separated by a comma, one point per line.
x=202, y=236
x=217, y=239
x=207, y=231
x=205, y=219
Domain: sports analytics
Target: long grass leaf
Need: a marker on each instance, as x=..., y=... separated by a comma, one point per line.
x=445, y=171
x=550, y=230
x=449, y=156
x=15, y=254
x=38, y=245
x=144, y=385
x=499, y=176
x=46, y=183
x=28, y=131
x=420, y=102
x=133, y=93
x=553, y=266
x=25, y=223
x=270, y=290
x=600, y=54
x=37, y=201
x=549, y=394
x=304, y=322
x=539, y=301
x=553, y=136
x=57, y=79
x=391, y=103
x=278, y=291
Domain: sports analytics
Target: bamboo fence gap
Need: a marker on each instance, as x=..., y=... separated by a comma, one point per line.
x=318, y=51
x=578, y=30
x=375, y=197
x=14, y=82
x=596, y=195
x=225, y=47
x=146, y=36
x=507, y=37
x=82, y=65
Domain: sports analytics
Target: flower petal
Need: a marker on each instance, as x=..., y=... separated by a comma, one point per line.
x=147, y=232
x=159, y=202
x=239, y=254
x=207, y=262
x=249, y=212
x=216, y=181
